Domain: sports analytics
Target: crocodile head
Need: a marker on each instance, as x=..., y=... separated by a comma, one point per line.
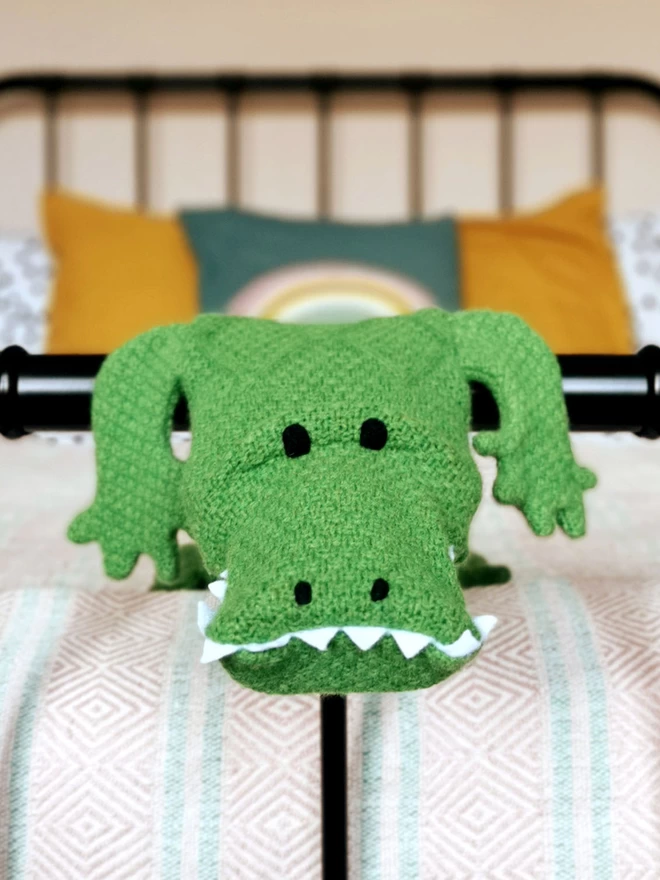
x=339, y=542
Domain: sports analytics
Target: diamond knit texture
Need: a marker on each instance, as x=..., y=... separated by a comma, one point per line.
x=280, y=489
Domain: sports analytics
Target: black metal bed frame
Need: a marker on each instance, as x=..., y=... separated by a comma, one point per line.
x=324, y=86
x=603, y=393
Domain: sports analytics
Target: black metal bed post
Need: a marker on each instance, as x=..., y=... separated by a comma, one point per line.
x=334, y=788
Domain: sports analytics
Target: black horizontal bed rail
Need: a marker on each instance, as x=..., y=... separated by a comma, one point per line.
x=602, y=393
x=331, y=81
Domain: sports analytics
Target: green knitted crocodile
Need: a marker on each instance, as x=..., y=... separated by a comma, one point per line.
x=330, y=484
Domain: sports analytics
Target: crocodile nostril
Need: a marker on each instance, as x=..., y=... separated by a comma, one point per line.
x=373, y=434
x=303, y=592
x=296, y=441
x=379, y=590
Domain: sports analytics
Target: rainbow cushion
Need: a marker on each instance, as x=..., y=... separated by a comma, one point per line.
x=331, y=292
x=320, y=271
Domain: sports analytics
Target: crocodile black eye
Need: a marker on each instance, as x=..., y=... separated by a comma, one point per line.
x=379, y=590
x=303, y=592
x=373, y=434
x=296, y=441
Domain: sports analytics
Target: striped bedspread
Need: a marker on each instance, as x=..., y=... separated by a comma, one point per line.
x=123, y=757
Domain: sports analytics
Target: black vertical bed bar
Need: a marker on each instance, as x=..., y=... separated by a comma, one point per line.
x=141, y=147
x=597, y=136
x=232, y=143
x=50, y=151
x=505, y=150
x=334, y=794
x=323, y=89
x=602, y=393
x=415, y=151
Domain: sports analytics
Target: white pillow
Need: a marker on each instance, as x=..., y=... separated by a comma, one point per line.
x=636, y=240
x=25, y=271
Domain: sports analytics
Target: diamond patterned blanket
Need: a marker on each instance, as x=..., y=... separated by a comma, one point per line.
x=123, y=757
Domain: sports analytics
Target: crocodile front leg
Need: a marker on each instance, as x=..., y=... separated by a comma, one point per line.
x=137, y=508
x=536, y=469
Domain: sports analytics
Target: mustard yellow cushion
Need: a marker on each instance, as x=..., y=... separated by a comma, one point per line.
x=118, y=273
x=555, y=269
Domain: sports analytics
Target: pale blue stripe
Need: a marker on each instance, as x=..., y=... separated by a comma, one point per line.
x=21, y=753
x=18, y=626
x=209, y=863
x=372, y=768
x=186, y=653
x=409, y=787
x=560, y=735
x=601, y=832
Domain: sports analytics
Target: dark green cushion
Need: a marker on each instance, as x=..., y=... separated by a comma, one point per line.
x=234, y=248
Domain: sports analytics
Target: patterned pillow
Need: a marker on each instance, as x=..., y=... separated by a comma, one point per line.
x=636, y=240
x=25, y=271
x=321, y=271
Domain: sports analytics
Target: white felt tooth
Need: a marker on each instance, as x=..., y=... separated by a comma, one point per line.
x=218, y=589
x=464, y=645
x=484, y=623
x=257, y=647
x=318, y=638
x=215, y=651
x=410, y=643
x=364, y=637
x=452, y=552
x=204, y=616
x=223, y=575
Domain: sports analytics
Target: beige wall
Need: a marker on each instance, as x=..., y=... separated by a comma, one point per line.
x=187, y=139
x=318, y=33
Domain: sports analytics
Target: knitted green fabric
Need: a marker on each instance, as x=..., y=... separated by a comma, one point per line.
x=191, y=574
x=476, y=572
x=330, y=481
